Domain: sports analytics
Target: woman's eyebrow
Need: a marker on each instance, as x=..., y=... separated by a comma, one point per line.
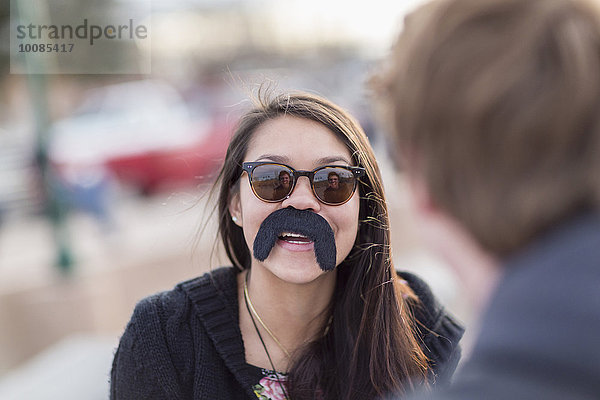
x=332, y=159
x=285, y=160
x=273, y=157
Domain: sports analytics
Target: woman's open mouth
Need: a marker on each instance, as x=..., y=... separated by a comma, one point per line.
x=295, y=242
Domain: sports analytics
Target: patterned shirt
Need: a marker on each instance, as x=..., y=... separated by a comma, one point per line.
x=270, y=385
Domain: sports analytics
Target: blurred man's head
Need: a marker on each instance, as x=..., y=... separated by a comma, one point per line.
x=495, y=106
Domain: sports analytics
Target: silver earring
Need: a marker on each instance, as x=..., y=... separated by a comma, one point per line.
x=234, y=219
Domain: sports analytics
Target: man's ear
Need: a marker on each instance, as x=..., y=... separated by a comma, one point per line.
x=420, y=195
x=235, y=208
x=418, y=190
x=449, y=238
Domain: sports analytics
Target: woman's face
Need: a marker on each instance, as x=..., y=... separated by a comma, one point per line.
x=303, y=145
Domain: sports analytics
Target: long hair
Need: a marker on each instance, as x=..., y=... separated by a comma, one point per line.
x=369, y=348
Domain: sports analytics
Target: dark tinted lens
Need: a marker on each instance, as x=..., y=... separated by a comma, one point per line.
x=334, y=185
x=271, y=182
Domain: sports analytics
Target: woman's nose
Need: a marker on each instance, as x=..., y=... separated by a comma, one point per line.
x=302, y=197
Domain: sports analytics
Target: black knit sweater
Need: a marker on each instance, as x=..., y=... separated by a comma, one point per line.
x=186, y=343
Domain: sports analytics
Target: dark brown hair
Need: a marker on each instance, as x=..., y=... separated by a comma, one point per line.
x=496, y=104
x=370, y=347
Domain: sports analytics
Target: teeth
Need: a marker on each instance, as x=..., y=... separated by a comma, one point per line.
x=294, y=238
x=293, y=235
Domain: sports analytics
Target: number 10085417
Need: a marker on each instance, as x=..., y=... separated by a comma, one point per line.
x=46, y=48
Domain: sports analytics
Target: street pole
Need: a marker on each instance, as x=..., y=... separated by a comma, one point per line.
x=55, y=206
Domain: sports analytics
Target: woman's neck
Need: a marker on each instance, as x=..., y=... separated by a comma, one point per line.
x=294, y=313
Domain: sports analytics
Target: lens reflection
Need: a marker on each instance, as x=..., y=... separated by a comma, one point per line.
x=272, y=182
x=333, y=185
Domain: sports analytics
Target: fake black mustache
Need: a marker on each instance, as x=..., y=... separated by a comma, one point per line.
x=305, y=223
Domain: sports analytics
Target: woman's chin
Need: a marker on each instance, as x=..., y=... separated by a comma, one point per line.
x=293, y=267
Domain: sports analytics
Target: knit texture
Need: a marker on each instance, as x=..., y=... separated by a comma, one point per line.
x=186, y=343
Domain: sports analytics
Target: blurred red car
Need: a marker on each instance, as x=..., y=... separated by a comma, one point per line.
x=151, y=171
x=141, y=132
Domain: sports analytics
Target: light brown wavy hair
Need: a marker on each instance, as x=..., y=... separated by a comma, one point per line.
x=370, y=349
x=496, y=104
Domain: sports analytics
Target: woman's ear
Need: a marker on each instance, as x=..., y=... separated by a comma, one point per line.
x=235, y=208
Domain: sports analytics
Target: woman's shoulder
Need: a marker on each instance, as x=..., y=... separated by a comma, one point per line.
x=177, y=303
x=221, y=278
x=157, y=345
x=428, y=310
x=440, y=331
x=166, y=319
x=217, y=287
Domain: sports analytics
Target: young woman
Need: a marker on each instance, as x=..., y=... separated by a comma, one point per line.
x=313, y=308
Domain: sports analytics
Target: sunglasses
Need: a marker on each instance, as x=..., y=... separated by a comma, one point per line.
x=332, y=184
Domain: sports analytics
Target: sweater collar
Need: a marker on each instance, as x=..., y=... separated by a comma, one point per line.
x=214, y=296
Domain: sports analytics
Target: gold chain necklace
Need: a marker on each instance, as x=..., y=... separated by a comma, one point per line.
x=251, y=306
x=246, y=300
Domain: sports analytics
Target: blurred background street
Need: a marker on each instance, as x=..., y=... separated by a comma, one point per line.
x=104, y=178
